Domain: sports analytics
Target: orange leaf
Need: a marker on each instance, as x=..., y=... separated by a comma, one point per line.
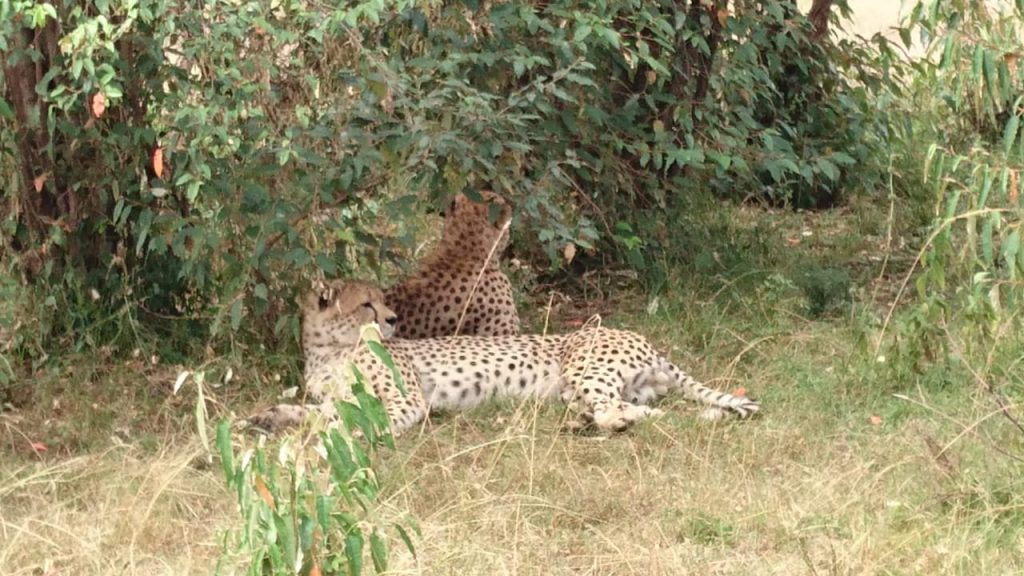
x=38, y=181
x=158, y=161
x=875, y=420
x=314, y=570
x=38, y=447
x=575, y=323
x=1014, y=190
x=98, y=104
x=264, y=493
x=723, y=14
x=739, y=392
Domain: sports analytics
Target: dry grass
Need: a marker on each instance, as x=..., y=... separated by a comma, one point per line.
x=795, y=493
x=803, y=490
x=816, y=486
x=117, y=511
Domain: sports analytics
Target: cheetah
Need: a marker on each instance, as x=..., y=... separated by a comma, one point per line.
x=459, y=288
x=608, y=377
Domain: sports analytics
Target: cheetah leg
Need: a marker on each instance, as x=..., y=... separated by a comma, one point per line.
x=595, y=395
x=404, y=409
x=286, y=416
x=404, y=412
x=278, y=418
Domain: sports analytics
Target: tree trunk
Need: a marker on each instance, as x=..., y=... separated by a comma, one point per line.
x=699, y=62
x=38, y=209
x=818, y=16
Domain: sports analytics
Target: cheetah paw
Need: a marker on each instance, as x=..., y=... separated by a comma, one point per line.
x=277, y=419
x=622, y=417
x=712, y=414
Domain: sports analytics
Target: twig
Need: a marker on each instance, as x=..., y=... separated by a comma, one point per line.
x=480, y=275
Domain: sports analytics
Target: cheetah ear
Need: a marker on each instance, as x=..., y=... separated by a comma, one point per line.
x=450, y=208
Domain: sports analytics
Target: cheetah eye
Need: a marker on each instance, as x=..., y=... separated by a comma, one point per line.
x=368, y=305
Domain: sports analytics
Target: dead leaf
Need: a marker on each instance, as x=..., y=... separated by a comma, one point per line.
x=38, y=447
x=264, y=493
x=158, y=161
x=180, y=380
x=740, y=392
x=39, y=181
x=651, y=76
x=98, y=104
x=314, y=570
x=793, y=241
x=875, y=420
x=1014, y=190
x=723, y=15
x=569, y=252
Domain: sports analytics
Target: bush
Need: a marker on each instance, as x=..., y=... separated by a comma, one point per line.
x=966, y=90
x=192, y=163
x=962, y=140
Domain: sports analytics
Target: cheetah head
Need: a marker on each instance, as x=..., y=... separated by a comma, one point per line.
x=477, y=224
x=334, y=312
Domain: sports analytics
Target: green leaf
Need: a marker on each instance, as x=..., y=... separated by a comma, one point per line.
x=405, y=538
x=354, y=552
x=1010, y=132
x=286, y=538
x=236, y=314
x=986, y=238
x=381, y=352
x=581, y=33
x=991, y=76
x=947, y=51
x=843, y=159
x=142, y=226
x=226, y=450
x=1011, y=245
x=905, y=37
x=986, y=187
x=117, y=210
x=828, y=169
x=5, y=110
x=685, y=157
x=378, y=552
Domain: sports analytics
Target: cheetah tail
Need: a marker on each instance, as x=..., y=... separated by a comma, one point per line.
x=742, y=406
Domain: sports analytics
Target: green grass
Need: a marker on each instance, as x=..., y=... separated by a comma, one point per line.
x=858, y=465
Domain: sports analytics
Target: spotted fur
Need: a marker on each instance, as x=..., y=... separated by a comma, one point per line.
x=461, y=280
x=607, y=376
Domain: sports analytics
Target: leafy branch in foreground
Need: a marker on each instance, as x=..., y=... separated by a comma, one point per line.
x=313, y=507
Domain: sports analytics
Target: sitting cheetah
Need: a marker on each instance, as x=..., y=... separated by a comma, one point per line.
x=459, y=289
x=608, y=376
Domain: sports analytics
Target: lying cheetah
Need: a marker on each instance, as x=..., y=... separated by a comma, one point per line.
x=459, y=289
x=608, y=376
